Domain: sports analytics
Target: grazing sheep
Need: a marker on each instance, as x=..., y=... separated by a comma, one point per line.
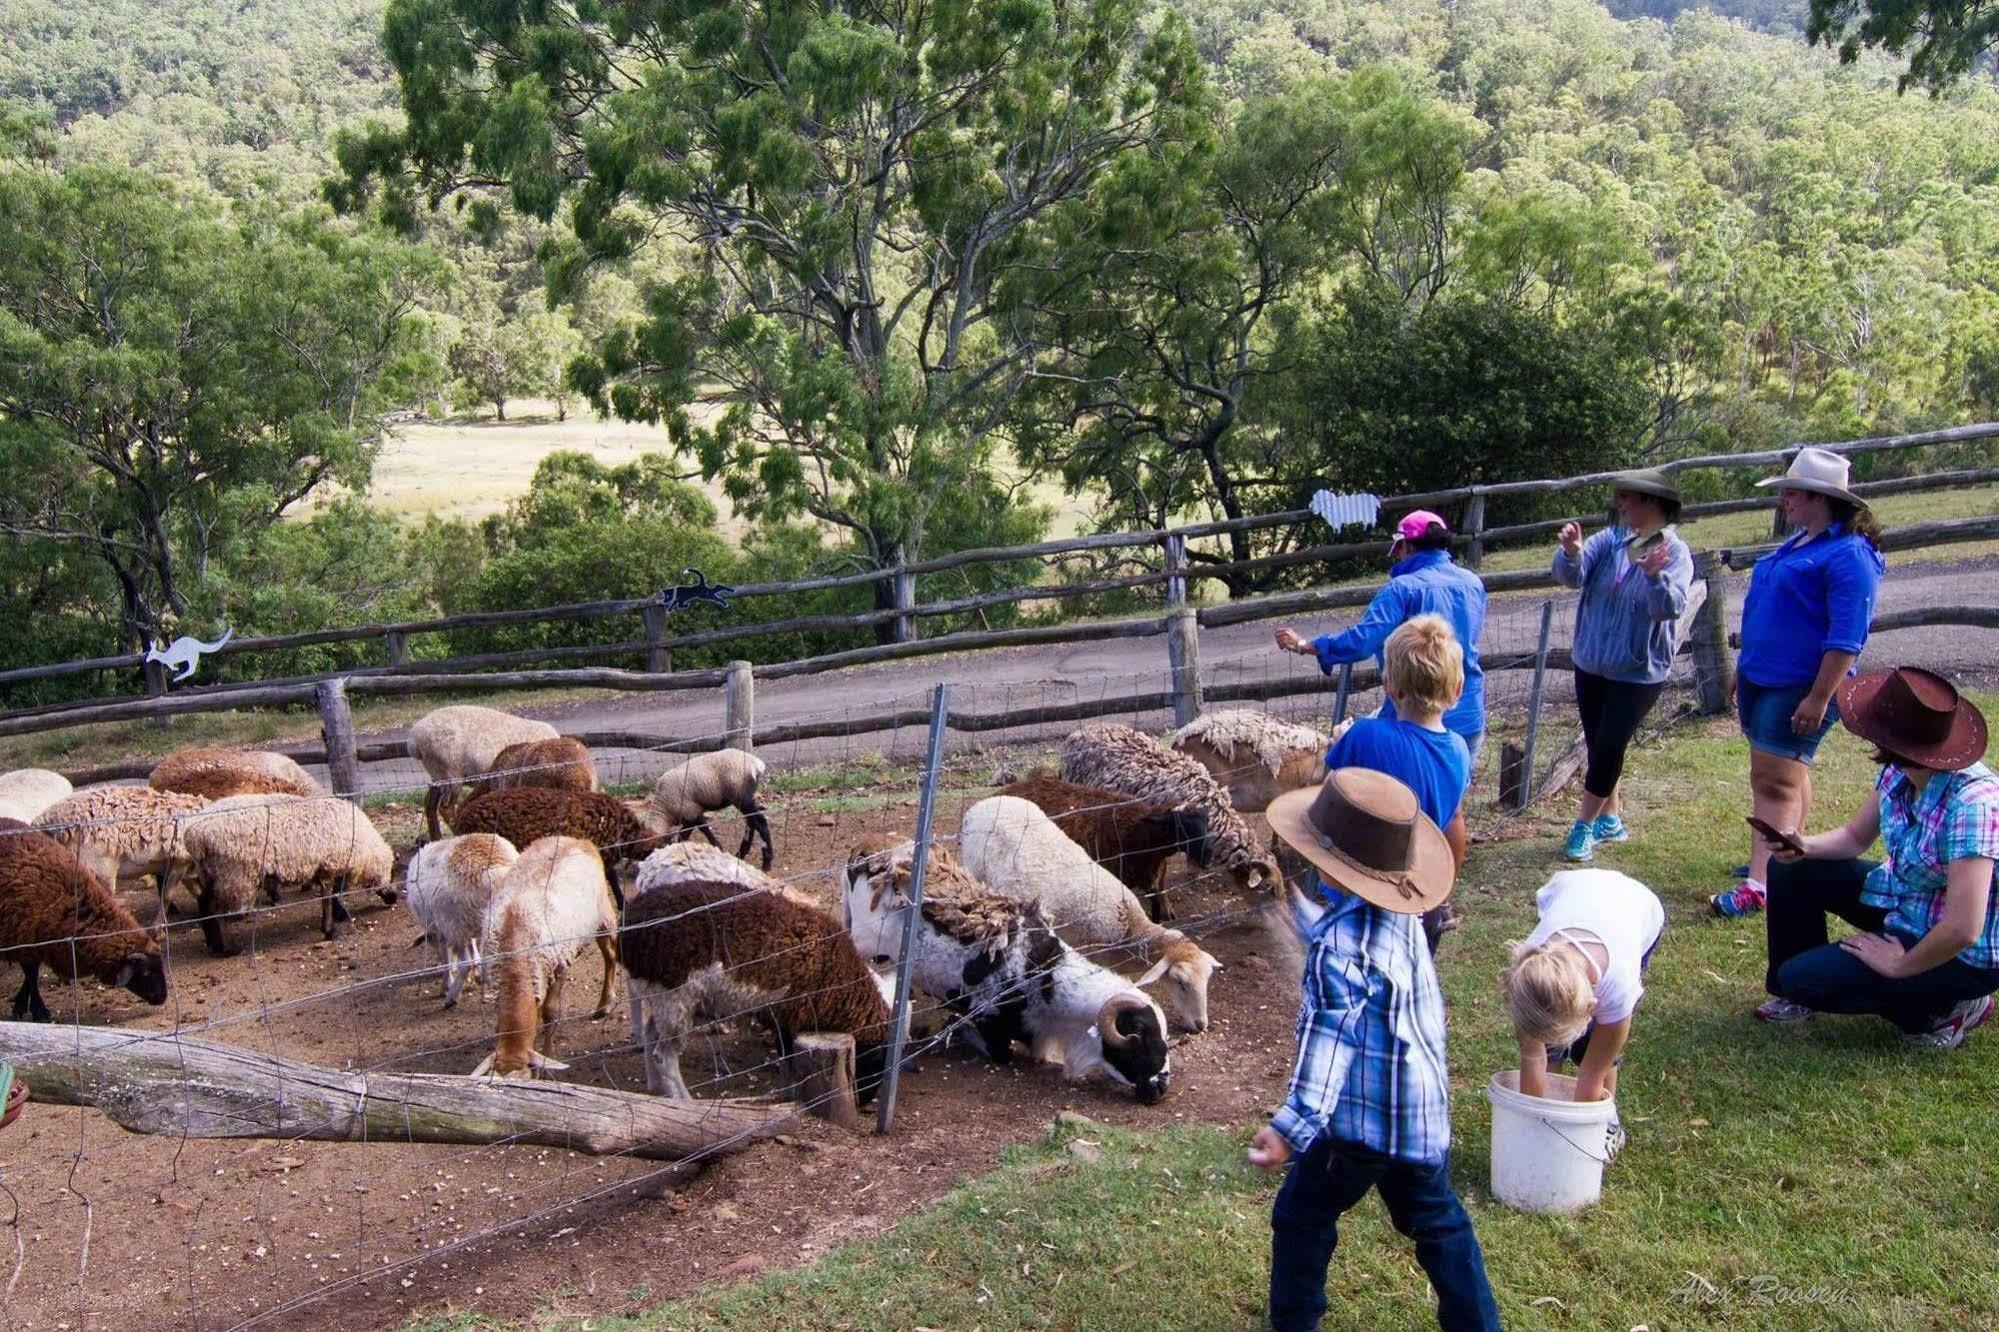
x=245, y=847
x=451, y=886
x=1120, y=759
x=1017, y=851
x=682, y=861
x=215, y=771
x=561, y=764
x=53, y=911
x=459, y=743
x=123, y=833
x=1133, y=839
x=994, y=962
x=686, y=795
x=553, y=902
x=1255, y=756
x=29, y=791
x=621, y=830
x=700, y=950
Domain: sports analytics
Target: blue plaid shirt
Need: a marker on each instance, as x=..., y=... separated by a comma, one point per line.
x=1955, y=817
x=1370, y=1037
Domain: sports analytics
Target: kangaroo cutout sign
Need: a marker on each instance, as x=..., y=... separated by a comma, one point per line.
x=184, y=654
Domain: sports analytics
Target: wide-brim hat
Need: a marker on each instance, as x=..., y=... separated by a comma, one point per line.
x=1365, y=832
x=1914, y=714
x=1818, y=470
x=1646, y=481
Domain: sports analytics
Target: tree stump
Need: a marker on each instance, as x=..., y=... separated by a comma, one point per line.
x=819, y=1074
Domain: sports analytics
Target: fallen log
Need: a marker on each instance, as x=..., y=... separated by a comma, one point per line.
x=149, y=1082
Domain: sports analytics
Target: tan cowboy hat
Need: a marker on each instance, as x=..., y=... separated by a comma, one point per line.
x=1914, y=714
x=1364, y=832
x=1818, y=470
x=1646, y=481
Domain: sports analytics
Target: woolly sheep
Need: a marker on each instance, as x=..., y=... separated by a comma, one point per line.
x=53, y=911
x=458, y=743
x=561, y=764
x=215, y=771
x=685, y=795
x=551, y=904
x=698, y=950
x=1131, y=838
x=123, y=833
x=1255, y=756
x=26, y=792
x=680, y=862
x=451, y=886
x=244, y=847
x=1017, y=851
x=1121, y=759
x=622, y=830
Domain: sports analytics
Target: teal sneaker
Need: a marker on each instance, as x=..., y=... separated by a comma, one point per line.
x=1610, y=828
x=1582, y=842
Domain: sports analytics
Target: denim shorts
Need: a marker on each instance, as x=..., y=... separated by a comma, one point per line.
x=1765, y=714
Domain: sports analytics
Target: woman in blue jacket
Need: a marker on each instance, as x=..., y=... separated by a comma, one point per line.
x=1635, y=576
x=1804, y=622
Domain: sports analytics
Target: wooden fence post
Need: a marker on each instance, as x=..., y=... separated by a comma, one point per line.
x=659, y=660
x=740, y=707
x=156, y=687
x=1176, y=569
x=336, y=725
x=398, y=645
x=1183, y=656
x=1526, y=783
x=905, y=606
x=1473, y=526
x=1344, y=694
x=1714, y=665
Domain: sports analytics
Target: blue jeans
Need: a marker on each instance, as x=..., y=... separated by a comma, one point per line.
x=1807, y=970
x=1765, y=715
x=1324, y=1184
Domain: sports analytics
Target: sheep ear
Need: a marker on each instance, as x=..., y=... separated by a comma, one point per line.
x=134, y=966
x=1158, y=970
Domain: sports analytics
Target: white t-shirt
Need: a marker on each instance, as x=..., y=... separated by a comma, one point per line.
x=1617, y=911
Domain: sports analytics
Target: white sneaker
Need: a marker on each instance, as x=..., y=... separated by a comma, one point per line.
x=1954, y=1026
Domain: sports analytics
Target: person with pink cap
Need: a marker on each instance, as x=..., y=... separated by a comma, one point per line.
x=1423, y=580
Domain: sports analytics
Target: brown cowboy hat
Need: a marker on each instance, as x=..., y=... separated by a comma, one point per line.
x=1364, y=832
x=1646, y=481
x=1914, y=714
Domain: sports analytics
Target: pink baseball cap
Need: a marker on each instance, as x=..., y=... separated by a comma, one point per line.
x=1417, y=524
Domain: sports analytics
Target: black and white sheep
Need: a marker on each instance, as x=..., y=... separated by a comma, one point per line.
x=458, y=744
x=242, y=848
x=451, y=886
x=55, y=913
x=994, y=961
x=684, y=796
x=553, y=902
x=1131, y=838
x=700, y=950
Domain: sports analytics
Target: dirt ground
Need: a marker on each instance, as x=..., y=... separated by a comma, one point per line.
x=123, y=1231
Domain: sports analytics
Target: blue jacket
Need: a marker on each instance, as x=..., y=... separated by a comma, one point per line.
x=1626, y=619
x=1807, y=598
x=1427, y=583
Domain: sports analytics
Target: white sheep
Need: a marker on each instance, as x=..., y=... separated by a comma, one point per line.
x=26, y=792
x=244, y=847
x=551, y=904
x=1121, y=759
x=1255, y=756
x=124, y=833
x=451, y=886
x=459, y=743
x=682, y=862
x=687, y=794
x=1015, y=849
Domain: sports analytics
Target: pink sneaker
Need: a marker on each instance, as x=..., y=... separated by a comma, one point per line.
x=1745, y=899
x=1954, y=1026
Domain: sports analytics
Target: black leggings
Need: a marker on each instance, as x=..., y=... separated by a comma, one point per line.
x=1611, y=712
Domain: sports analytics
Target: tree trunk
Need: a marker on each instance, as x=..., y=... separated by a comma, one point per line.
x=499, y=409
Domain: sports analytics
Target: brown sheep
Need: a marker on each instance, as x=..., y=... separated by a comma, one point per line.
x=525, y=814
x=215, y=771
x=54, y=911
x=1133, y=839
x=561, y=764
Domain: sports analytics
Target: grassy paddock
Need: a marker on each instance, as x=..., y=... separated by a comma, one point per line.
x=1815, y=1176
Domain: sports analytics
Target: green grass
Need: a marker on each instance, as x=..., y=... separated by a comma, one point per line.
x=1828, y=1158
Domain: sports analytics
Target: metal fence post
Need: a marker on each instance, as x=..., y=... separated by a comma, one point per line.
x=940, y=707
x=1526, y=787
x=739, y=708
x=1345, y=692
x=1183, y=658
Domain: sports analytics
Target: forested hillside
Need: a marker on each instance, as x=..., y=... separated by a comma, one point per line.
x=1285, y=244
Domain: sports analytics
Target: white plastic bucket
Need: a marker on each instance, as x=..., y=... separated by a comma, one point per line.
x=1548, y=1152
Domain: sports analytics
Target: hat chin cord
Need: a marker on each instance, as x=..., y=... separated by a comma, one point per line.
x=1401, y=881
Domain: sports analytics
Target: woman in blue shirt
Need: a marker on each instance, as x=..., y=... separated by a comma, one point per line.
x=1804, y=622
x=1634, y=577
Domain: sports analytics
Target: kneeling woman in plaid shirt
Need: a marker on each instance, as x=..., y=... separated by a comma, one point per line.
x=1928, y=955
x=1369, y=1105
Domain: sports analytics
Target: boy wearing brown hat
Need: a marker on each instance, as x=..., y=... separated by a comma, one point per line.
x=1369, y=1103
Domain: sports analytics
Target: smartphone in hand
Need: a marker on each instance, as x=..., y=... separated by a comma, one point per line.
x=1775, y=836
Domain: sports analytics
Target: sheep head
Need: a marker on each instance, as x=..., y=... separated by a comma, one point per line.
x=1132, y=1031
x=1257, y=874
x=1182, y=974
x=145, y=975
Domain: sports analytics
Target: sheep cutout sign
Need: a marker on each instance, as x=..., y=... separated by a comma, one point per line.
x=183, y=656
x=680, y=597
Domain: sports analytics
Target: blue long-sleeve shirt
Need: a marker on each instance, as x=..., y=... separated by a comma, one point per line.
x=1626, y=621
x=1808, y=597
x=1427, y=583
